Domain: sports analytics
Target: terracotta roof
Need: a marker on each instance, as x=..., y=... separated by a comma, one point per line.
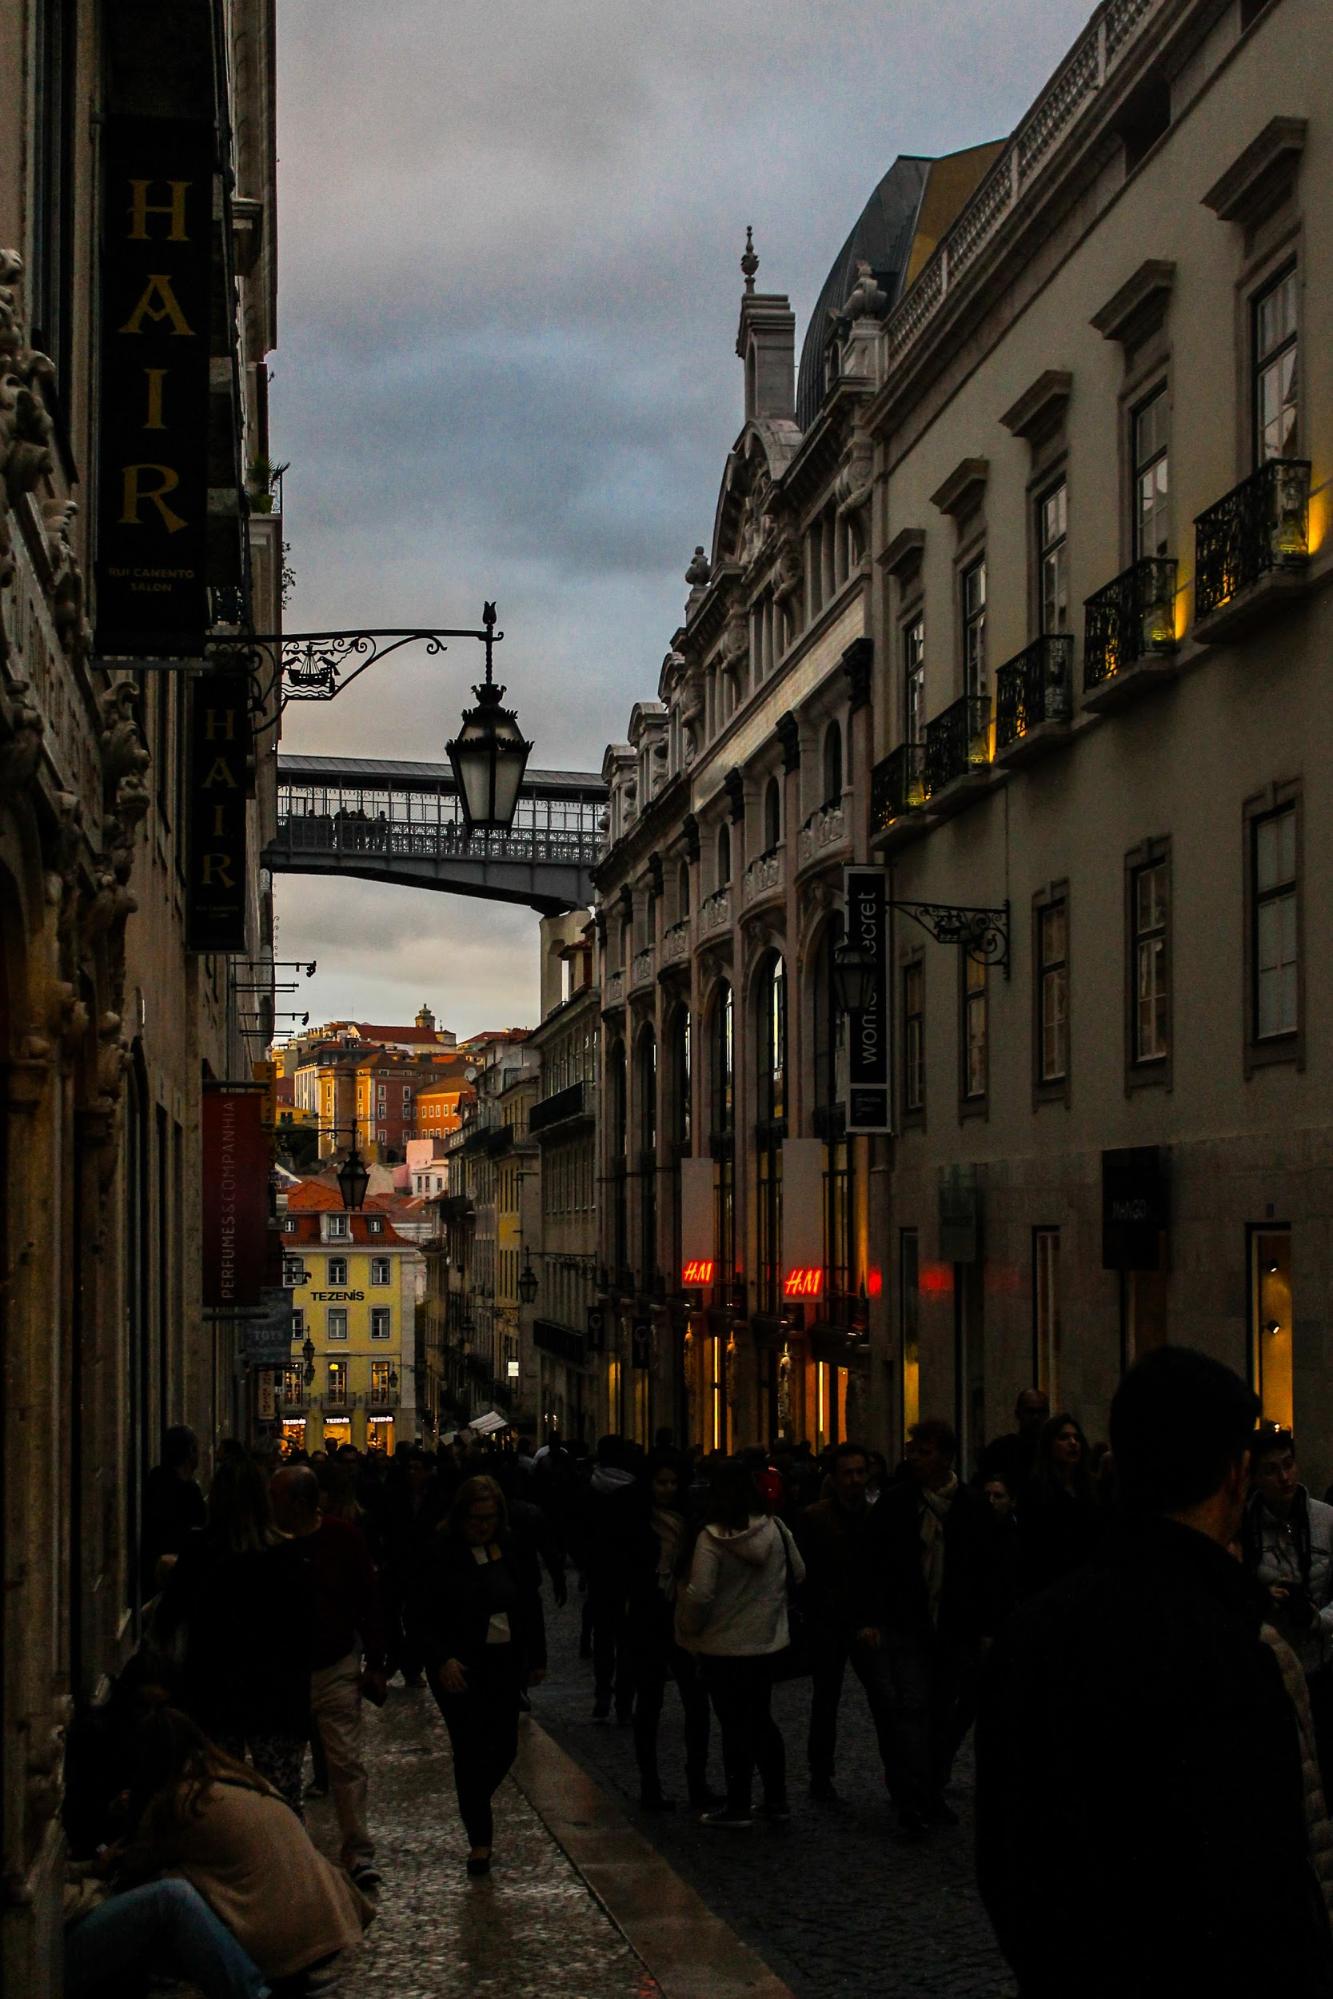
x=307, y=1230
x=313, y=1196
x=429, y=1035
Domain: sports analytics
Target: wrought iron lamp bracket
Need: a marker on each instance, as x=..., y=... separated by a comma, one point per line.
x=313, y=666
x=983, y=933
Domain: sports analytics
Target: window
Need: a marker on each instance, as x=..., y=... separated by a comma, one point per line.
x=336, y=1324
x=1271, y=1322
x=379, y=1270
x=680, y=1077
x=337, y=1272
x=772, y=815
x=974, y=628
x=1046, y=1311
x=914, y=1037
x=375, y=1224
x=337, y=1390
x=1150, y=1033
x=298, y=1324
x=1152, y=523
x=1053, y=991
x=289, y=1225
x=721, y=1066
x=384, y=1136
x=1274, y=947
x=976, y=1030
x=380, y=1323
x=293, y=1272
x=914, y=681
x=1053, y=559
x=771, y=1101
x=833, y=764
x=1275, y=370
x=336, y=1228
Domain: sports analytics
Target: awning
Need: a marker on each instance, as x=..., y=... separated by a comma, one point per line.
x=487, y=1425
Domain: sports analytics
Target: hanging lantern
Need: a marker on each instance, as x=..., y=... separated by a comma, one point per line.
x=353, y=1180
x=489, y=755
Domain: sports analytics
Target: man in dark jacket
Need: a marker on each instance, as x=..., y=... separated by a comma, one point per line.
x=1141, y=1823
x=610, y=1528
x=945, y=1584
x=844, y=1596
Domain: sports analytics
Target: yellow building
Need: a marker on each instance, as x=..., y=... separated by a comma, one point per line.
x=350, y=1279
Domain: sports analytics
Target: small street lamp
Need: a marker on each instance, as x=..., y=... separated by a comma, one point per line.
x=489, y=755
x=308, y=1351
x=353, y=1180
x=855, y=976
x=527, y=1281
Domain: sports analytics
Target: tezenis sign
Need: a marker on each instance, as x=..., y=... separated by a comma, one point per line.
x=157, y=259
x=215, y=881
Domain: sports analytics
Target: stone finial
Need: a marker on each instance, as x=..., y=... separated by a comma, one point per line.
x=868, y=300
x=750, y=260
x=700, y=569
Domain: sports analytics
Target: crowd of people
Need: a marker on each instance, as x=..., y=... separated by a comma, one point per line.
x=1141, y=1630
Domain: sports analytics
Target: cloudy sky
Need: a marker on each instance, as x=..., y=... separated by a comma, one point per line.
x=508, y=244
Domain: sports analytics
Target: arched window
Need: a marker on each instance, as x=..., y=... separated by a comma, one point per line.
x=772, y=814
x=771, y=1040
x=721, y=1098
x=830, y=1121
x=646, y=1080
x=679, y=1044
x=723, y=854
x=833, y=764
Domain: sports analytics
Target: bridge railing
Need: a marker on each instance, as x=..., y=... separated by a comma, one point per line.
x=354, y=833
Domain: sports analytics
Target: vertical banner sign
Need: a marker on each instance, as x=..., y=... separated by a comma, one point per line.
x=215, y=877
x=152, y=512
x=804, y=1201
x=868, y=1036
x=697, y=1253
x=235, y=1194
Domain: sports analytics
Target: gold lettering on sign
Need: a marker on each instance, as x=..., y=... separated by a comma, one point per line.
x=137, y=495
x=154, y=378
x=220, y=773
x=220, y=722
x=217, y=871
x=141, y=208
x=167, y=307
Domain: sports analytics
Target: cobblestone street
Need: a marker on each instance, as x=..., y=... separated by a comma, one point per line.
x=832, y=1902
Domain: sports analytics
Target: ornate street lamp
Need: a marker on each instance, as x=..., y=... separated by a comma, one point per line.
x=527, y=1282
x=308, y=1350
x=855, y=975
x=353, y=1180
x=489, y=755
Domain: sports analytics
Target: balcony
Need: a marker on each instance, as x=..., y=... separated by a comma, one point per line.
x=958, y=753
x=1129, y=632
x=764, y=877
x=642, y=969
x=1251, y=550
x=615, y=991
x=824, y=833
x=898, y=795
x=1034, y=699
x=715, y=911
x=676, y=943
x=559, y=1107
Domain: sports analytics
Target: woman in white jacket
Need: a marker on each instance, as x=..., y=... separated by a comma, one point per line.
x=733, y=1613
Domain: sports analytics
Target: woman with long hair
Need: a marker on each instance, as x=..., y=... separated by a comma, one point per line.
x=1061, y=1519
x=479, y=1618
x=210, y=1821
x=658, y=1556
x=733, y=1613
x=237, y=1615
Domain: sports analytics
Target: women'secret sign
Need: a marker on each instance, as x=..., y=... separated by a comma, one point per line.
x=868, y=1034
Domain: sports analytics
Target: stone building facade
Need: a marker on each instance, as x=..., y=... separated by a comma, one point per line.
x=108, y=1024
x=1015, y=594
x=1103, y=438
x=735, y=801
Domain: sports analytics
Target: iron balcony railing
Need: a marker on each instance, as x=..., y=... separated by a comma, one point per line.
x=1262, y=525
x=898, y=785
x=958, y=741
x=1034, y=687
x=357, y=832
x=1133, y=617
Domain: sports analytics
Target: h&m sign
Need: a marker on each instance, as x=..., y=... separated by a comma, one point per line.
x=153, y=478
x=219, y=774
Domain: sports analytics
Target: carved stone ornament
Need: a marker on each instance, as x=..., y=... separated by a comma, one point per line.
x=788, y=571
x=25, y=427
x=700, y=570
x=21, y=725
x=735, y=639
x=856, y=474
x=868, y=299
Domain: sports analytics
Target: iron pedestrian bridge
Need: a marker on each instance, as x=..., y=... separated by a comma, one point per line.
x=403, y=822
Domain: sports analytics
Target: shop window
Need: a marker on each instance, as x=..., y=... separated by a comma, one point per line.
x=909, y=1323
x=1271, y=1346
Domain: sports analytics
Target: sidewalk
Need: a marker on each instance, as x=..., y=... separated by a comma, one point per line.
x=577, y=1905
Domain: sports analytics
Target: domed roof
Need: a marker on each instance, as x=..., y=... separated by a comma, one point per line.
x=881, y=238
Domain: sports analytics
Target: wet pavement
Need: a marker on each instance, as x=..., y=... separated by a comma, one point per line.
x=531, y=1926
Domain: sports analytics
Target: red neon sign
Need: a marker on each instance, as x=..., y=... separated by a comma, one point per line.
x=698, y=1270
x=806, y=1281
